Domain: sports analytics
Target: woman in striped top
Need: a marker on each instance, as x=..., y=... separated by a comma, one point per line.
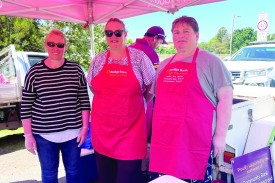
x=55, y=111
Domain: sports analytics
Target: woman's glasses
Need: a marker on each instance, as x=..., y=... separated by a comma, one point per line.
x=110, y=33
x=52, y=44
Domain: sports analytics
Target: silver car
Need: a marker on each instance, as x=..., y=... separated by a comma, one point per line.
x=254, y=64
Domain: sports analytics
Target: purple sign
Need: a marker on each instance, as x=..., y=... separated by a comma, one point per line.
x=253, y=167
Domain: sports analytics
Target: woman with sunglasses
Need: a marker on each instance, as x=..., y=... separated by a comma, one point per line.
x=55, y=111
x=119, y=78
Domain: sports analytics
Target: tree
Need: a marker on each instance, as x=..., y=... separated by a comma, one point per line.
x=29, y=35
x=204, y=46
x=99, y=39
x=222, y=35
x=166, y=50
x=129, y=42
x=219, y=43
x=242, y=37
x=271, y=37
x=24, y=33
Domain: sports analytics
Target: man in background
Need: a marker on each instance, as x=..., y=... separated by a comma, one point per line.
x=151, y=40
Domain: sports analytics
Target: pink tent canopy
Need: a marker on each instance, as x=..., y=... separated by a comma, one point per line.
x=91, y=11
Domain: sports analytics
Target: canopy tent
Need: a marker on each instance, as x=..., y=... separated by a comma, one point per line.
x=91, y=11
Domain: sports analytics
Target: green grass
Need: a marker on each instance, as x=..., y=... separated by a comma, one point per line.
x=11, y=140
x=4, y=133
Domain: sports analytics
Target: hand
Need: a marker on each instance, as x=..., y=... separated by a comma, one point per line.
x=82, y=136
x=219, y=144
x=30, y=143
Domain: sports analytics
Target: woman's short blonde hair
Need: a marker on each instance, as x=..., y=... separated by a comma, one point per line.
x=58, y=33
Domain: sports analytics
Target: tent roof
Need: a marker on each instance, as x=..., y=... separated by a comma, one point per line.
x=91, y=11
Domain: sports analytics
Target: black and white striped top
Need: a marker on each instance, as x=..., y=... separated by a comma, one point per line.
x=54, y=98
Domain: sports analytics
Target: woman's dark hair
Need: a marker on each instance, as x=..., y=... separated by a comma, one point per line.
x=188, y=20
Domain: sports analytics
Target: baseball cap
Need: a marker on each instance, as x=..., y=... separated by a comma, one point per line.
x=156, y=31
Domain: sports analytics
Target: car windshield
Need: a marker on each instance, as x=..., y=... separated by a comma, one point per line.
x=35, y=58
x=255, y=54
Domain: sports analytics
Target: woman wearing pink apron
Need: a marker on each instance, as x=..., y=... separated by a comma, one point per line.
x=118, y=128
x=183, y=114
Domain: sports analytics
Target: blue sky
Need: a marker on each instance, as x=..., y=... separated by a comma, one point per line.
x=210, y=17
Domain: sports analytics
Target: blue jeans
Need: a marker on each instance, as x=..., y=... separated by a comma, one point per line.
x=48, y=153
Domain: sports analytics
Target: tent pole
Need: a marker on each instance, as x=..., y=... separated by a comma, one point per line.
x=91, y=27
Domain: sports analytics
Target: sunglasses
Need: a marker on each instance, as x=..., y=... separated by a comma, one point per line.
x=161, y=35
x=52, y=44
x=109, y=33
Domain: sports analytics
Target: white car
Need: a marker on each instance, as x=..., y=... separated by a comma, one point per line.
x=254, y=64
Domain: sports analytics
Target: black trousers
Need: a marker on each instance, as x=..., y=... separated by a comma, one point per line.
x=112, y=170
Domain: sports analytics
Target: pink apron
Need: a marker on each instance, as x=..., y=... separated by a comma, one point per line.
x=182, y=123
x=118, y=113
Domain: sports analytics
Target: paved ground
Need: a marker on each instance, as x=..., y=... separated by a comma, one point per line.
x=23, y=167
x=17, y=165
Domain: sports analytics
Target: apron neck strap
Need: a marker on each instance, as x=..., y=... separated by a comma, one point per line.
x=194, y=57
x=127, y=53
x=107, y=57
x=171, y=59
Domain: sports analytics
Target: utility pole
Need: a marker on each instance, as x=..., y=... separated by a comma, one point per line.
x=232, y=34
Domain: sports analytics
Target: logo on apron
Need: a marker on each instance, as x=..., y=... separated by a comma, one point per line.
x=175, y=75
x=118, y=73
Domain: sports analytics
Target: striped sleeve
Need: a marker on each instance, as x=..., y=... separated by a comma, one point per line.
x=28, y=95
x=83, y=92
